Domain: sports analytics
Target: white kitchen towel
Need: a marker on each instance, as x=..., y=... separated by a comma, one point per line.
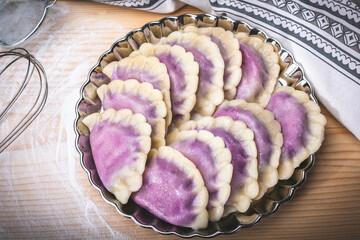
x=323, y=36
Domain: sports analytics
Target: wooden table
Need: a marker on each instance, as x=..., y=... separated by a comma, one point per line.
x=44, y=193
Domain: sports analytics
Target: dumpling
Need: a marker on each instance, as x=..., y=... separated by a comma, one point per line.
x=302, y=126
x=267, y=136
x=173, y=189
x=140, y=98
x=212, y=159
x=240, y=141
x=230, y=51
x=143, y=69
x=210, y=91
x=183, y=72
x=260, y=69
x=120, y=142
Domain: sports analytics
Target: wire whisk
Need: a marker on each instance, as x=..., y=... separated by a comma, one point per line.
x=33, y=66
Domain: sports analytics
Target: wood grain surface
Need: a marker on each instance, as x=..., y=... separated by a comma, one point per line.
x=327, y=206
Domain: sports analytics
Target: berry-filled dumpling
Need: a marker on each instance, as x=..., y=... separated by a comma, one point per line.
x=173, y=189
x=229, y=49
x=302, y=126
x=267, y=136
x=212, y=159
x=183, y=72
x=240, y=141
x=260, y=69
x=210, y=91
x=120, y=142
x=139, y=98
x=143, y=69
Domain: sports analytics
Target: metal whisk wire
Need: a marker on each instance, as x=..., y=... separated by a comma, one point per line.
x=32, y=65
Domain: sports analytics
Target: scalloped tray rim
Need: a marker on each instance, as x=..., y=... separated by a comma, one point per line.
x=194, y=16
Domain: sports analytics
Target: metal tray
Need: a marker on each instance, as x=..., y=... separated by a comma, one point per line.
x=291, y=74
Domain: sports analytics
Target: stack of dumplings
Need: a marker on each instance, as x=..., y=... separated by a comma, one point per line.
x=194, y=127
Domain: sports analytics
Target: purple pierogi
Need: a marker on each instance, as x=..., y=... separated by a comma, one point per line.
x=210, y=92
x=212, y=159
x=173, y=189
x=221, y=155
x=139, y=98
x=230, y=51
x=183, y=72
x=267, y=136
x=120, y=142
x=302, y=126
x=260, y=69
x=240, y=141
x=143, y=69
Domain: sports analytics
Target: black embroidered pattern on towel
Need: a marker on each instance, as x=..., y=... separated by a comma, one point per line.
x=330, y=24
x=302, y=25
x=341, y=9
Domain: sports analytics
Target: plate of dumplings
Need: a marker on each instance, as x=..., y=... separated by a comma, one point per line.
x=197, y=125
